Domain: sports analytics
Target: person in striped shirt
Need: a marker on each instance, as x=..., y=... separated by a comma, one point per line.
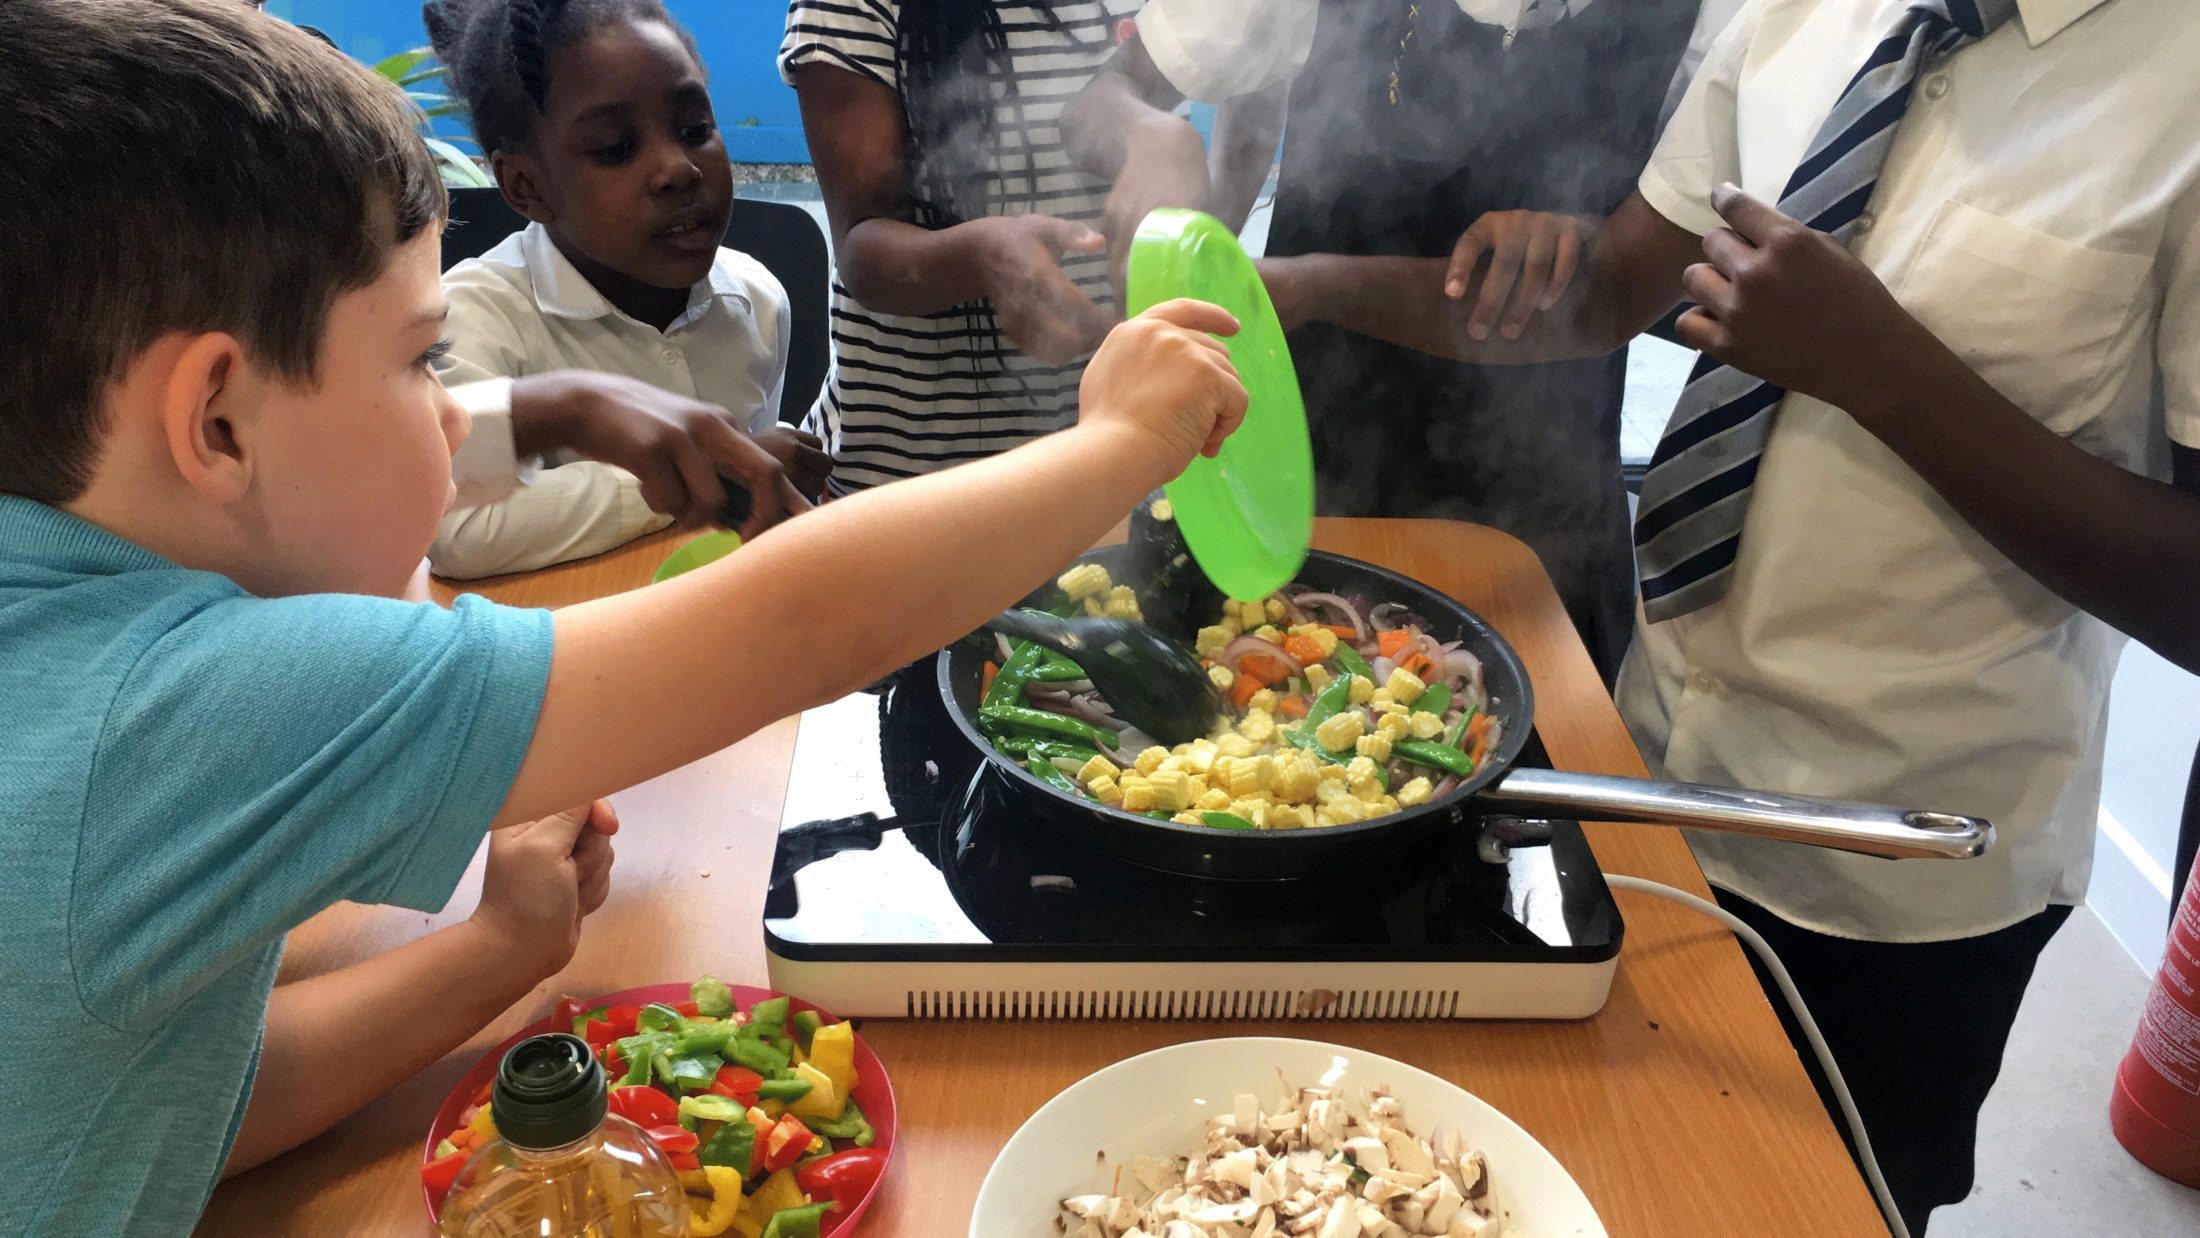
x=971, y=274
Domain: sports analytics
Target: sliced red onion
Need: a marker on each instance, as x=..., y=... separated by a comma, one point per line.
x=1237, y=651
x=1359, y=629
x=1444, y=788
x=1382, y=667
x=1428, y=647
x=1083, y=708
x=1046, y=694
x=1074, y=686
x=1134, y=741
x=1459, y=663
x=1000, y=646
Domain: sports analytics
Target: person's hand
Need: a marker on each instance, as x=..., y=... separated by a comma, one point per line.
x=801, y=455
x=1532, y=258
x=1164, y=164
x=543, y=878
x=1792, y=306
x=683, y=451
x=1039, y=310
x=1165, y=376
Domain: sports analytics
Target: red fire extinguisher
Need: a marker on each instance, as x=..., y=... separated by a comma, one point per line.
x=2155, y=1111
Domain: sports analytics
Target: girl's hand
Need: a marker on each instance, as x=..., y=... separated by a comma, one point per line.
x=543, y=879
x=1164, y=164
x=1039, y=310
x=802, y=455
x=1532, y=258
x=1165, y=376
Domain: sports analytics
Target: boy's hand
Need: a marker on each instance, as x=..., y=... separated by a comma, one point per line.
x=1533, y=256
x=803, y=457
x=543, y=878
x=1164, y=164
x=1037, y=307
x=1164, y=375
x=684, y=451
x=1792, y=306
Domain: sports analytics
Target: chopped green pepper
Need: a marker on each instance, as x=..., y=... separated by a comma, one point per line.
x=768, y=1018
x=1050, y=749
x=806, y=1023
x=711, y=997
x=712, y=1108
x=580, y=1021
x=658, y=1017
x=734, y=1146
x=1226, y=821
x=851, y=1124
x=800, y=1222
x=1041, y=722
x=1434, y=756
x=706, y=1038
x=693, y=1072
x=783, y=1089
x=757, y=1056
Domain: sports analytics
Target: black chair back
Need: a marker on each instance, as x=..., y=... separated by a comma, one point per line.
x=784, y=237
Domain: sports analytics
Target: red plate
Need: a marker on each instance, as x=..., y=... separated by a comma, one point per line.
x=874, y=1092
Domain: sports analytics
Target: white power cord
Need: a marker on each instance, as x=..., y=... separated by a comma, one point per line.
x=1763, y=949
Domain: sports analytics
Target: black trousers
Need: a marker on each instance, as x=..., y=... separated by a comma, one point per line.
x=1918, y=1031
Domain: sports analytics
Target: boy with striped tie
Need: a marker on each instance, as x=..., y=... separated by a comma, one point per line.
x=1945, y=256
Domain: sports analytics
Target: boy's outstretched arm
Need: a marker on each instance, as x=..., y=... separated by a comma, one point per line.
x=336, y=1041
x=648, y=681
x=1793, y=307
x=1630, y=278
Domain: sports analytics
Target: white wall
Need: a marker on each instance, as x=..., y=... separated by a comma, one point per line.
x=2153, y=727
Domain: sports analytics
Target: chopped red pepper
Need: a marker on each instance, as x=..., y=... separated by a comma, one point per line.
x=624, y=1020
x=737, y=1083
x=644, y=1106
x=441, y=1172
x=598, y=1033
x=688, y=1009
x=788, y=1142
x=674, y=1139
x=684, y=1160
x=844, y=1177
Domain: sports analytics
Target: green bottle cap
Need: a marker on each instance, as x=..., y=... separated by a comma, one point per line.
x=549, y=1092
x=1247, y=514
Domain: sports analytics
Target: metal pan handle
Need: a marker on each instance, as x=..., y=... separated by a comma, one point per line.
x=1866, y=829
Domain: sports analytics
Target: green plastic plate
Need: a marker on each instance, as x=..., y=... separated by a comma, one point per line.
x=1247, y=514
x=709, y=548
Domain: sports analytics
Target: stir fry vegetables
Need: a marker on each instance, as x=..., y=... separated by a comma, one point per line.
x=1314, y=1166
x=1333, y=718
x=747, y=1105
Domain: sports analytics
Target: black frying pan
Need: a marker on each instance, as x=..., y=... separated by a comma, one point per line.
x=1497, y=787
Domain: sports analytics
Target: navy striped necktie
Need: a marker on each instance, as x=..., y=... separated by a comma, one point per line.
x=1696, y=492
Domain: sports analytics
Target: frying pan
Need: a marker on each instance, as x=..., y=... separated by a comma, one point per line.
x=1498, y=787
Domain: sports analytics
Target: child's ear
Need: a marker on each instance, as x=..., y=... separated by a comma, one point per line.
x=519, y=178
x=207, y=406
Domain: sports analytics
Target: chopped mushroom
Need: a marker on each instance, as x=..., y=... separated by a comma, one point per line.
x=1317, y=1166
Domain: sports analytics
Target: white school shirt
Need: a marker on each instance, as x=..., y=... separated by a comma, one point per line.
x=1213, y=50
x=2039, y=212
x=522, y=308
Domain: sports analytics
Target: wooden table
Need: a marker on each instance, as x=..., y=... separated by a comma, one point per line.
x=1680, y=1108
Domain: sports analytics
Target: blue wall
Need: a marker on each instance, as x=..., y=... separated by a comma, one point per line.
x=739, y=39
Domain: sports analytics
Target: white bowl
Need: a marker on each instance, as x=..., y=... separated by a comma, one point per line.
x=1157, y=1104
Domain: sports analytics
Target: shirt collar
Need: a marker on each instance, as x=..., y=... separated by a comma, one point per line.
x=562, y=291
x=44, y=535
x=2044, y=19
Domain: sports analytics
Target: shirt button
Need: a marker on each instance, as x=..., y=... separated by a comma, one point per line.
x=671, y=355
x=1936, y=86
x=1864, y=222
x=1704, y=682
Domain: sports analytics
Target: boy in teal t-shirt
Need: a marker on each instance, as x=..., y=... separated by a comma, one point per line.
x=223, y=453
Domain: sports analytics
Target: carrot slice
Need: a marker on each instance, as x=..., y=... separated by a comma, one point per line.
x=1293, y=707
x=1242, y=689
x=1303, y=648
x=986, y=685
x=1393, y=643
x=1269, y=671
x=1343, y=632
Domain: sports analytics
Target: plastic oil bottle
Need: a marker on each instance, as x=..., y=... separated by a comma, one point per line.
x=561, y=1166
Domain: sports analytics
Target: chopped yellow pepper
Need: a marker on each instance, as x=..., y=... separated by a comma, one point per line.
x=778, y=1194
x=823, y=1100
x=833, y=1050
x=708, y=1218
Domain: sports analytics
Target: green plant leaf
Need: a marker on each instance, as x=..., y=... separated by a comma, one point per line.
x=396, y=67
x=433, y=73
x=446, y=109
x=458, y=169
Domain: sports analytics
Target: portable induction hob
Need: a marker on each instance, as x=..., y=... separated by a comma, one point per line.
x=908, y=884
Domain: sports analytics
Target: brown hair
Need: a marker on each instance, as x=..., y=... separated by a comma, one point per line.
x=179, y=165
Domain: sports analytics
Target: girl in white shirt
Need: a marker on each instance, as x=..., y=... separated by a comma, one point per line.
x=599, y=130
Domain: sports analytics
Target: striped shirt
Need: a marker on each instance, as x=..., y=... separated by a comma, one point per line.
x=914, y=394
